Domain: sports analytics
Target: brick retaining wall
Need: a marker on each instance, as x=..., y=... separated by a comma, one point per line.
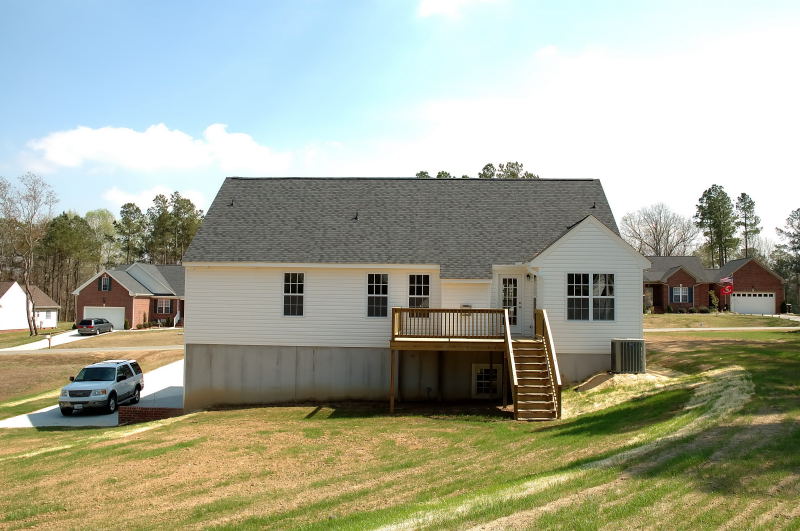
x=134, y=414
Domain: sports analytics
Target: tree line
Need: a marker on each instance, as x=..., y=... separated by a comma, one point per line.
x=58, y=252
x=721, y=230
x=508, y=170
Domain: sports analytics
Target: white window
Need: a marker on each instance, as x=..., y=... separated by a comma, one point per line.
x=293, y=292
x=419, y=291
x=595, y=306
x=164, y=306
x=486, y=380
x=377, y=295
x=680, y=294
x=105, y=283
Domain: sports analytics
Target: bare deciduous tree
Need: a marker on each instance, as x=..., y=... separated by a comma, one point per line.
x=26, y=209
x=657, y=231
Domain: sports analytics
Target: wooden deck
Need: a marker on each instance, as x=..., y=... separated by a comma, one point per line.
x=531, y=362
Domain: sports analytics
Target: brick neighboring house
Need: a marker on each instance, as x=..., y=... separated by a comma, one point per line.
x=136, y=293
x=681, y=282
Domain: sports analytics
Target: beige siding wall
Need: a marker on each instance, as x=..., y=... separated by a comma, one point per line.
x=455, y=293
x=244, y=306
x=590, y=249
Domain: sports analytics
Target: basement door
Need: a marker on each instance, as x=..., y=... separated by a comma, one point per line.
x=511, y=299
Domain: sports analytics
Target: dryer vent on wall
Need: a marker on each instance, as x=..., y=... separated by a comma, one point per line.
x=628, y=356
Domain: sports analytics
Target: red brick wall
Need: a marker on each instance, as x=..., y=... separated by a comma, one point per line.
x=754, y=277
x=141, y=311
x=92, y=296
x=134, y=414
x=682, y=278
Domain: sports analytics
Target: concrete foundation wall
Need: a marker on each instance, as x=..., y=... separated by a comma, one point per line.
x=248, y=374
x=577, y=367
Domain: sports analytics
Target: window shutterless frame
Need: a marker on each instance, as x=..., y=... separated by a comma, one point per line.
x=377, y=294
x=419, y=293
x=293, y=294
x=591, y=297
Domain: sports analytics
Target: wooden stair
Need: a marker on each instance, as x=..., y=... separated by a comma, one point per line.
x=534, y=398
x=534, y=376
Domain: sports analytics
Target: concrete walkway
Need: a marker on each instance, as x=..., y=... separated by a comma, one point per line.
x=58, y=339
x=163, y=387
x=89, y=350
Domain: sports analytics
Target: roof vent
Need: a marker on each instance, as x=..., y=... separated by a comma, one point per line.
x=594, y=204
x=355, y=218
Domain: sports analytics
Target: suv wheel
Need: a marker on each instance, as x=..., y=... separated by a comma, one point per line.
x=111, y=404
x=66, y=411
x=137, y=395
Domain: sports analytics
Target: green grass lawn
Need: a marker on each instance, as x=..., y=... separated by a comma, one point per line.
x=712, y=320
x=13, y=339
x=711, y=440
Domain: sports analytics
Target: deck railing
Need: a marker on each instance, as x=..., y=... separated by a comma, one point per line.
x=510, y=363
x=461, y=323
x=542, y=324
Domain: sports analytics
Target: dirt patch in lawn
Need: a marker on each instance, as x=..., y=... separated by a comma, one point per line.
x=712, y=320
x=146, y=338
x=30, y=375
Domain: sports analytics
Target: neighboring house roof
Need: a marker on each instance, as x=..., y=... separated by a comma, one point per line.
x=145, y=279
x=5, y=286
x=664, y=267
x=464, y=225
x=42, y=300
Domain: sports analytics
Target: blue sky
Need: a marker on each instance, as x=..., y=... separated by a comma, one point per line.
x=658, y=99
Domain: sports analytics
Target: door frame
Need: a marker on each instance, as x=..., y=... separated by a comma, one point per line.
x=516, y=327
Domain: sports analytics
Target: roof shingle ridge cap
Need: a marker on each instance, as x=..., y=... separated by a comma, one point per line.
x=376, y=178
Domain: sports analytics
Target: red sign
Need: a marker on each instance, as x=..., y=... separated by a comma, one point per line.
x=726, y=290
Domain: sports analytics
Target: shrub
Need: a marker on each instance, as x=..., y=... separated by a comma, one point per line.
x=784, y=307
x=74, y=326
x=669, y=309
x=169, y=321
x=126, y=325
x=714, y=301
x=703, y=309
x=692, y=310
x=681, y=310
x=139, y=326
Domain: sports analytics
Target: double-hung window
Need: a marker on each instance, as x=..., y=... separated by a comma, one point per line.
x=293, y=284
x=680, y=294
x=419, y=293
x=377, y=295
x=105, y=283
x=164, y=306
x=590, y=296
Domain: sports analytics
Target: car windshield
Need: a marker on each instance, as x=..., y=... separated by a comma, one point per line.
x=96, y=374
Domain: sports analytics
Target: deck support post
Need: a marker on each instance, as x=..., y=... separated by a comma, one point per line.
x=506, y=376
x=392, y=377
x=440, y=375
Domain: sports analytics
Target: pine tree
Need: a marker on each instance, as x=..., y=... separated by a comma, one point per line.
x=748, y=221
x=716, y=218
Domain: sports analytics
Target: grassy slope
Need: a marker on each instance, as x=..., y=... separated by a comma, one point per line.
x=13, y=339
x=355, y=467
x=712, y=320
x=146, y=338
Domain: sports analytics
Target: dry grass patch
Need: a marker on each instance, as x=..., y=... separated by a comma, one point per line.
x=712, y=320
x=143, y=338
x=26, y=376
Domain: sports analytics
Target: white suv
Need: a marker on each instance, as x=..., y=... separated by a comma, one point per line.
x=105, y=384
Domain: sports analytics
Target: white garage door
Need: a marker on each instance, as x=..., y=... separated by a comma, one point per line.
x=115, y=314
x=742, y=302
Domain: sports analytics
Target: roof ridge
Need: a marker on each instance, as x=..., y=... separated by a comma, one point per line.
x=471, y=179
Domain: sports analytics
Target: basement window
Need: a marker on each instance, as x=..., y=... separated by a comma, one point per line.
x=486, y=379
x=293, y=288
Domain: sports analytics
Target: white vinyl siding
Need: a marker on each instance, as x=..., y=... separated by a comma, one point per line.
x=590, y=248
x=12, y=309
x=457, y=294
x=334, y=306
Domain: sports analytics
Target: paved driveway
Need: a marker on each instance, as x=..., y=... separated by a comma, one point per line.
x=163, y=387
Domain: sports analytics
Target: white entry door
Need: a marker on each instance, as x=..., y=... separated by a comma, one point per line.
x=511, y=298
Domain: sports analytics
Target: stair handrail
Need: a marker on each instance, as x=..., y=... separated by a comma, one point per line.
x=510, y=351
x=543, y=326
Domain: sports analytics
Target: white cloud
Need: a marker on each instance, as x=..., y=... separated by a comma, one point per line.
x=144, y=198
x=446, y=8
x=157, y=149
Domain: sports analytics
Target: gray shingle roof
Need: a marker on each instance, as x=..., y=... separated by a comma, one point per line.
x=161, y=279
x=465, y=225
x=665, y=266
